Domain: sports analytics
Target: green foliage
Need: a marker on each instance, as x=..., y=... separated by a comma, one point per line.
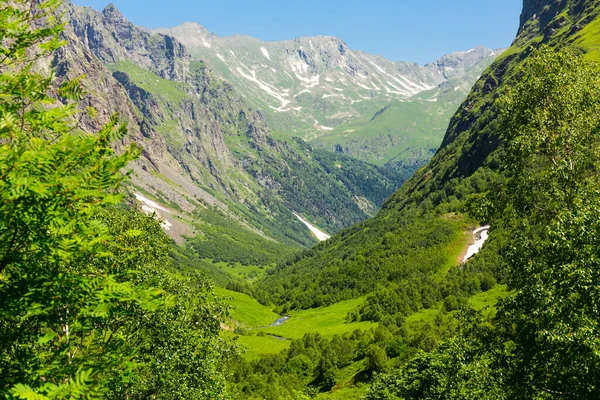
x=87, y=308
x=394, y=250
x=223, y=239
x=543, y=341
x=552, y=320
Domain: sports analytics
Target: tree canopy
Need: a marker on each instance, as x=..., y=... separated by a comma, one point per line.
x=87, y=307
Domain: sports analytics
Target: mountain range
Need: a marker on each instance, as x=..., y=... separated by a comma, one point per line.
x=342, y=99
x=216, y=156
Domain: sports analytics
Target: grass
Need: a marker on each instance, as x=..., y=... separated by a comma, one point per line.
x=245, y=272
x=460, y=241
x=420, y=318
x=248, y=312
x=489, y=298
x=151, y=82
x=255, y=347
x=588, y=38
x=347, y=388
x=328, y=321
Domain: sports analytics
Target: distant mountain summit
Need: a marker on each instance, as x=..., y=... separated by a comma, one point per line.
x=319, y=89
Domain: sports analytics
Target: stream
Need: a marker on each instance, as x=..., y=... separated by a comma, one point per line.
x=280, y=321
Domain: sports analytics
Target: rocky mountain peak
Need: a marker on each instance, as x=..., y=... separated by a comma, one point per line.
x=112, y=14
x=545, y=11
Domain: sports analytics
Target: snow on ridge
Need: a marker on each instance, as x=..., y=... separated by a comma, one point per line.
x=363, y=86
x=399, y=91
x=265, y=53
x=409, y=85
x=270, y=90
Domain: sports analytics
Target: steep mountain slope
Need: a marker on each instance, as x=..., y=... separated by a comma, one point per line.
x=467, y=164
x=320, y=90
x=207, y=156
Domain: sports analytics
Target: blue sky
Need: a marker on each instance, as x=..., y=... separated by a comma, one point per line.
x=407, y=30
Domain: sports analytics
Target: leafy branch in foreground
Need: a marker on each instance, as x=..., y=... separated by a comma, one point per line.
x=87, y=309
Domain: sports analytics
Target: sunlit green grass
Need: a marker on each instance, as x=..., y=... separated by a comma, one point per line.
x=254, y=347
x=328, y=321
x=244, y=272
x=489, y=298
x=247, y=311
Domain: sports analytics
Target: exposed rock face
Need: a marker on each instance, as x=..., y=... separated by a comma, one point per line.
x=202, y=145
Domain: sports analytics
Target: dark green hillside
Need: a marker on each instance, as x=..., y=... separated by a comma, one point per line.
x=407, y=249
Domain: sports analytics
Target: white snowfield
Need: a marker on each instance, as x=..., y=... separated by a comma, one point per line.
x=481, y=234
x=150, y=207
x=322, y=236
x=265, y=53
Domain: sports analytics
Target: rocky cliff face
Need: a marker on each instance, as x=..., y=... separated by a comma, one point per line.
x=203, y=146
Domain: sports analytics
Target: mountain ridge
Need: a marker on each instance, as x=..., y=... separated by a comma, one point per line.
x=319, y=89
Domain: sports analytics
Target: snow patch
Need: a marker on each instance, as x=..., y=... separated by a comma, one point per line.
x=265, y=53
x=398, y=90
x=206, y=44
x=482, y=235
x=220, y=57
x=150, y=207
x=322, y=236
x=270, y=90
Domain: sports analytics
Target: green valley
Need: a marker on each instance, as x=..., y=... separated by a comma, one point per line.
x=191, y=216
